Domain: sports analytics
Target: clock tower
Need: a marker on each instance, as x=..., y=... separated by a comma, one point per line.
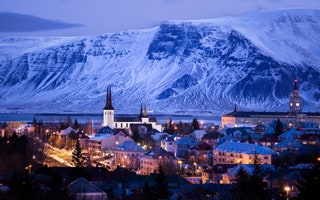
x=295, y=99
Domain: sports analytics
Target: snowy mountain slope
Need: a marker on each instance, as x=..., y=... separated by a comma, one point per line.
x=180, y=66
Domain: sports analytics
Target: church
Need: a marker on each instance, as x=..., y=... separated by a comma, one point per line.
x=142, y=121
x=293, y=118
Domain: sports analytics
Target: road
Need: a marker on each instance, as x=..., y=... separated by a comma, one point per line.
x=58, y=157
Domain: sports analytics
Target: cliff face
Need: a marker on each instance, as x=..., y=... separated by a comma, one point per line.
x=180, y=66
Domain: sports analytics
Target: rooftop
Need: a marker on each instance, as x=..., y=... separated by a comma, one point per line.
x=248, y=148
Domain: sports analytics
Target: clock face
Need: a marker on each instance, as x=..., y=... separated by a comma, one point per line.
x=291, y=104
x=297, y=104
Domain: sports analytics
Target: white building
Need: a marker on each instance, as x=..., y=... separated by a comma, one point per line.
x=103, y=142
x=124, y=122
x=241, y=153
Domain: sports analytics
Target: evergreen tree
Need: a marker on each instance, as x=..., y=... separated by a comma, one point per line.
x=161, y=187
x=136, y=136
x=147, y=192
x=169, y=128
x=258, y=186
x=278, y=128
x=77, y=157
x=241, y=186
x=195, y=124
x=76, y=125
x=250, y=187
x=250, y=139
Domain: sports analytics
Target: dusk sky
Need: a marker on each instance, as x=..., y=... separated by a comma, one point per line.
x=108, y=16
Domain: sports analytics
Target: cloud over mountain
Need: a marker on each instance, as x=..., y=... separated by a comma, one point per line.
x=13, y=22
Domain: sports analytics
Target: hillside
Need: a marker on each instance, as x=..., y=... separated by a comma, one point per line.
x=202, y=66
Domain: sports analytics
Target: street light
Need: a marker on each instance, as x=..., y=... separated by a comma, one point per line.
x=28, y=168
x=180, y=162
x=287, y=189
x=195, y=167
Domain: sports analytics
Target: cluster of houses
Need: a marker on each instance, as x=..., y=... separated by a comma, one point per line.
x=203, y=156
x=206, y=156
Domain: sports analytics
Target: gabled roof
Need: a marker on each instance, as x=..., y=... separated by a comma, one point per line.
x=129, y=145
x=292, y=133
x=82, y=186
x=99, y=137
x=67, y=131
x=247, y=148
x=127, y=119
x=289, y=142
x=212, y=135
x=186, y=140
x=159, y=152
x=249, y=168
x=105, y=129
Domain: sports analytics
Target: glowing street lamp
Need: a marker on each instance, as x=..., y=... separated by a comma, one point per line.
x=287, y=189
x=180, y=162
x=28, y=168
x=195, y=168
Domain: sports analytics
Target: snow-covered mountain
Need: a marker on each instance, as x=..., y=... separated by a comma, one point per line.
x=202, y=66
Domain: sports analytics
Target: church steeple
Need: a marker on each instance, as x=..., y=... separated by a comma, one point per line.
x=295, y=84
x=235, y=108
x=108, y=110
x=108, y=105
x=145, y=114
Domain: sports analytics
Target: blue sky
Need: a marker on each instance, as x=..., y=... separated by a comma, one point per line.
x=105, y=16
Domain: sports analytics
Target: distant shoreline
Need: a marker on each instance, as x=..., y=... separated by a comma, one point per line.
x=84, y=117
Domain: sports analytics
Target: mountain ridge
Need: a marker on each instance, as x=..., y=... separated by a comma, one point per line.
x=195, y=66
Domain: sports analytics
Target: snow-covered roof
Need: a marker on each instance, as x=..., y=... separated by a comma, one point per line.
x=198, y=133
x=129, y=145
x=81, y=185
x=186, y=140
x=249, y=168
x=67, y=131
x=302, y=166
x=158, y=136
x=99, y=137
x=289, y=142
x=247, y=148
x=292, y=133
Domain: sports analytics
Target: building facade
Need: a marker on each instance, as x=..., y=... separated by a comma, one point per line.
x=110, y=120
x=293, y=118
x=241, y=153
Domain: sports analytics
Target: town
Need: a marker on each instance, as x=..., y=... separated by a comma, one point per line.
x=250, y=155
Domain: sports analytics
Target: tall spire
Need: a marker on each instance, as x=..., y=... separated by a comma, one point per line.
x=295, y=84
x=235, y=108
x=108, y=105
x=145, y=111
